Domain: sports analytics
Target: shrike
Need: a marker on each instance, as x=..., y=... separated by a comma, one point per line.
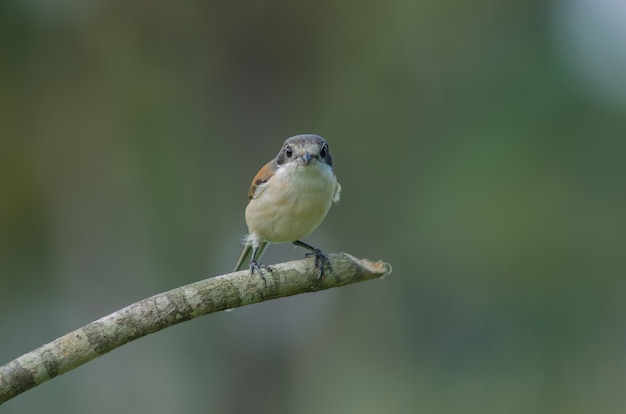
x=289, y=197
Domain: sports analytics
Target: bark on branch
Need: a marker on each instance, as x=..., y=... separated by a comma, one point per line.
x=177, y=305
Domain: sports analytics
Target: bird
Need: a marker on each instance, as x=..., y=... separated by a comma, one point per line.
x=288, y=199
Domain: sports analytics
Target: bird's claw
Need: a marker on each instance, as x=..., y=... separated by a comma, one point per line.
x=254, y=265
x=321, y=262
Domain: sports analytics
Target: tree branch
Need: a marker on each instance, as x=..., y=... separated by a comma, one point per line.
x=177, y=305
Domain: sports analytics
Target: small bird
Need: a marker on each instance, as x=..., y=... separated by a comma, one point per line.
x=289, y=197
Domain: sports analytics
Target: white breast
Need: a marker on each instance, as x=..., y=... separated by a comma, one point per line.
x=292, y=203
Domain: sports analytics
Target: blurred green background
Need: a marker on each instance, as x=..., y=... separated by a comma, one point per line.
x=480, y=146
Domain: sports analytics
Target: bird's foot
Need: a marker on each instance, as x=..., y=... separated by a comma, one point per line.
x=254, y=265
x=321, y=262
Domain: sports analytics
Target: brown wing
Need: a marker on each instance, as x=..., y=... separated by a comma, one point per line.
x=261, y=177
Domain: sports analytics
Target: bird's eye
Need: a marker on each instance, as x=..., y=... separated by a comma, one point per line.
x=288, y=151
x=324, y=151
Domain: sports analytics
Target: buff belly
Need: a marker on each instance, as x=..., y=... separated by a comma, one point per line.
x=293, y=205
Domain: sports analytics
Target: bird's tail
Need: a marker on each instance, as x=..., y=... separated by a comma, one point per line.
x=246, y=255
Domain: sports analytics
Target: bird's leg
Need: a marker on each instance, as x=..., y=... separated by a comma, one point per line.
x=254, y=265
x=320, y=259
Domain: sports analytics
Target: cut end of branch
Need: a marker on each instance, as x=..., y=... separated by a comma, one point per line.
x=379, y=268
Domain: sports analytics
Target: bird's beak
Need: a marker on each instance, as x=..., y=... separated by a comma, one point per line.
x=306, y=157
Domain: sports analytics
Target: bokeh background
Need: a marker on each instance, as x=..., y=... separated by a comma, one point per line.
x=481, y=150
